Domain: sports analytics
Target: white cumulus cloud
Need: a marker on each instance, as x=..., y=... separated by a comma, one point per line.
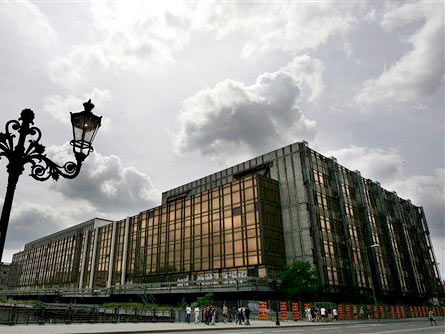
x=138, y=35
x=234, y=120
x=106, y=183
x=60, y=107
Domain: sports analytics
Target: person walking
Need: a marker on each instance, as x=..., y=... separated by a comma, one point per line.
x=329, y=314
x=239, y=316
x=334, y=313
x=432, y=317
x=213, y=312
x=362, y=313
x=207, y=314
x=196, y=311
x=225, y=313
x=323, y=314
x=247, y=315
x=308, y=313
x=188, y=313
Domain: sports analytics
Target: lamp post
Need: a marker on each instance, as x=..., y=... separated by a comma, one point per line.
x=369, y=264
x=277, y=321
x=85, y=125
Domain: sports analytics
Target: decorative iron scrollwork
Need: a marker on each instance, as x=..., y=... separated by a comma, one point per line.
x=42, y=168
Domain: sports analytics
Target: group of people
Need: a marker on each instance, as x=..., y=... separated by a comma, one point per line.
x=209, y=314
x=242, y=316
x=322, y=314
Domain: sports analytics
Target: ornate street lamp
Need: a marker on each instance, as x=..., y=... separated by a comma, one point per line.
x=85, y=125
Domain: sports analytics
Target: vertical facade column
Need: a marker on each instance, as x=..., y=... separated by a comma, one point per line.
x=433, y=273
x=306, y=167
x=93, y=258
x=406, y=245
x=125, y=254
x=367, y=232
x=417, y=238
x=382, y=220
x=84, y=259
x=338, y=195
x=110, y=267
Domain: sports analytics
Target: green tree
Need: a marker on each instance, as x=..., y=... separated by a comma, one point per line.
x=204, y=300
x=299, y=280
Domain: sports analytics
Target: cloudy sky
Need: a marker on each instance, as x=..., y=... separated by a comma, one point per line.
x=188, y=88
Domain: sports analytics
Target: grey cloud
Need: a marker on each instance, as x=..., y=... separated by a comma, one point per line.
x=234, y=120
x=29, y=222
x=374, y=163
x=419, y=73
x=426, y=191
x=106, y=184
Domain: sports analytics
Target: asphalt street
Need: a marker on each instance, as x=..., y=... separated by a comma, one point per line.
x=407, y=326
x=413, y=327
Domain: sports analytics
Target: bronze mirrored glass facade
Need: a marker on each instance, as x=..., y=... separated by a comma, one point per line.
x=230, y=231
x=291, y=204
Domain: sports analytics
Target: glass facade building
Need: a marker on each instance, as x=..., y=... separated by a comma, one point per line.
x=230, y=231
x=292, y=204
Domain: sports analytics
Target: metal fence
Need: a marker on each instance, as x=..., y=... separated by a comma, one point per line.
x=198, y=286
x=43, y=314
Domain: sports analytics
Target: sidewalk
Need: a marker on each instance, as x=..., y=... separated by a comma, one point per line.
x=167, y=327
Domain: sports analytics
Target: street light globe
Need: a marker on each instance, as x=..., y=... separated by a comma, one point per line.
x=85, y=125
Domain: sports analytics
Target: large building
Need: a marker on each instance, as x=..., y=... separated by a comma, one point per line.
x=242, y=224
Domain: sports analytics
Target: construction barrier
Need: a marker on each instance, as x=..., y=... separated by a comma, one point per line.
x=350, y=311
x=262, y=310
x=283, y=310
x=340, y=312
x=295, y=311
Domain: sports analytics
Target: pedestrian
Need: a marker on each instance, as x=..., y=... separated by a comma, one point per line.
x=432, y=316
x=188, y=313
x=308, y=314
x=313, y=314
x=225, y=313
x=362, y=313
x=207, y=314
x=317, y=313
x=323, y=314
x=239, y=316
x=329, y=314
x=334, y=313
x=214, y=311
x=233, y=314
x=196, y=311
x=247, y=315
